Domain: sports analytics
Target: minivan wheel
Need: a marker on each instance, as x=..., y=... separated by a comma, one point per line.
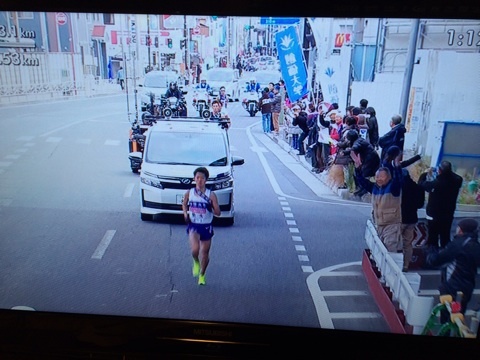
x=229, y=221
x=146, y=217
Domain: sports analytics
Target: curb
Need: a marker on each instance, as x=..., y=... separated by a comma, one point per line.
x=342, y=193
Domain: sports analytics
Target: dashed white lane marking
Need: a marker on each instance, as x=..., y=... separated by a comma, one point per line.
x=303, y=258
x=300, y=248
x=288, y=215
x=294, y=230
x=297, y=238
x=12, y=157
x=29, y=144
x=307, y=269
x=112, y=142
x=21, y=150
x=5, y=163
x=286, y=208
x=84, y=141
x=102, y=247
x=129, y=190
x=54, y=139
x=25, y=138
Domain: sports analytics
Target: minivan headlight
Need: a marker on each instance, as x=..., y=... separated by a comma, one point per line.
x=223, y=184
x=151, y=182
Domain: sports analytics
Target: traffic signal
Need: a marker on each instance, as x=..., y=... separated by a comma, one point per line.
x=148, y=40
x=169, y=43
x=182, y=43
x=156, y=41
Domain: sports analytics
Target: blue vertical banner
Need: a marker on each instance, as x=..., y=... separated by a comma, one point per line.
x=292, y=63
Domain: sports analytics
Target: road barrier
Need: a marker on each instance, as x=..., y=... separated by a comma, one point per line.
x=396, y=292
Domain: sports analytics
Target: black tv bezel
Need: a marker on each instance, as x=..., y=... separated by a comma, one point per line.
x=36, y=334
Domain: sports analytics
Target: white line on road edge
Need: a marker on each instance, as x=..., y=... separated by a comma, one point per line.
x=129, y=190
x=102, y=247
x=323, y=313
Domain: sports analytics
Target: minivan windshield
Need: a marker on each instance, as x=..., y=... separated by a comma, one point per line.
x=159, y=80
x=186, y=148
x=219, y=75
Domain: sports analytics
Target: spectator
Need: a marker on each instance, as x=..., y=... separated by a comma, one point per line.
x=368, y=157
x=413, y=198
x=363, y=105
x=276, y=108
x=460, y=260
x=386, y=201
x=300, y=119
x=442, y=191
x=121, y=77
x=266, y=110
x=372, y=123
x=396, y=135
x=363, y=127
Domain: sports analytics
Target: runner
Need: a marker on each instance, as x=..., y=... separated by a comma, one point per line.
x=199, y=206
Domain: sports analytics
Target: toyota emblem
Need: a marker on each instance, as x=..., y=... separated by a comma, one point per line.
x=186, y=181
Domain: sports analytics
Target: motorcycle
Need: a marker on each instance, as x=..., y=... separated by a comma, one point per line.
x=136, y=142
x=201, y=103
x=173, y=106
x=250, y=102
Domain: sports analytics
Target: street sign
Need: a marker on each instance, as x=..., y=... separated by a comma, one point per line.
x=278, y=20
x=61, y=18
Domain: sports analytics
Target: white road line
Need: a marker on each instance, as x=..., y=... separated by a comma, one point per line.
x=129, y=190
x=54, y=139
x=303, y=258
x=102, y=247
x=307, y=269
x=12, y=157
x=324, y=315
x=112, y=142
x=5, y=163
x=300, y=248
x=294, y=230
x=297, y=238
x=288, y=215
x=291, y=222
x=286, y=208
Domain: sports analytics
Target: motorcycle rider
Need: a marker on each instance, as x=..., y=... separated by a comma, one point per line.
x=203, y=85
x=253, y=85
x=223, y=97
x=174, y=91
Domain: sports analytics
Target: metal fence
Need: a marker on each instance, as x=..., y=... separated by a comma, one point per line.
x=26, y=77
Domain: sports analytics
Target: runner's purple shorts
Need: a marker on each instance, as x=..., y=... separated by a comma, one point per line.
x=204, y=230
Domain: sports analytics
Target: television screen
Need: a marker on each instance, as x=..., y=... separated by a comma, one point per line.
x=107, y=114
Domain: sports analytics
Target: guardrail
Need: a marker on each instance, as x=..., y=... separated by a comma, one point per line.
x=404, y=287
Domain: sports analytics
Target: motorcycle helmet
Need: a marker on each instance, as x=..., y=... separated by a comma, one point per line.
x=253, y=80
x=173, y=85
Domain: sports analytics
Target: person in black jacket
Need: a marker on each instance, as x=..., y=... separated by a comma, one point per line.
x=300, y=119
x=368, y=156
x=413, y=198
x=442, y=201
x=396, y=136
x=460, y=261
x=372, y=123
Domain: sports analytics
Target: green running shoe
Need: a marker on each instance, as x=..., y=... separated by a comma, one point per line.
x=196, y=268
x=201, y=279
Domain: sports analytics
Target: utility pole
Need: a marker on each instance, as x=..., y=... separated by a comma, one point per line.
x=407, y=77
x=148, y=42
x=185, y=35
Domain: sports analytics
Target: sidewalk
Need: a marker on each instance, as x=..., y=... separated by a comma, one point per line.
x=462, y=209
x=344, y=194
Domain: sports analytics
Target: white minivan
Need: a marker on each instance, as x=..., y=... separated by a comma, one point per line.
x=174, y=148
